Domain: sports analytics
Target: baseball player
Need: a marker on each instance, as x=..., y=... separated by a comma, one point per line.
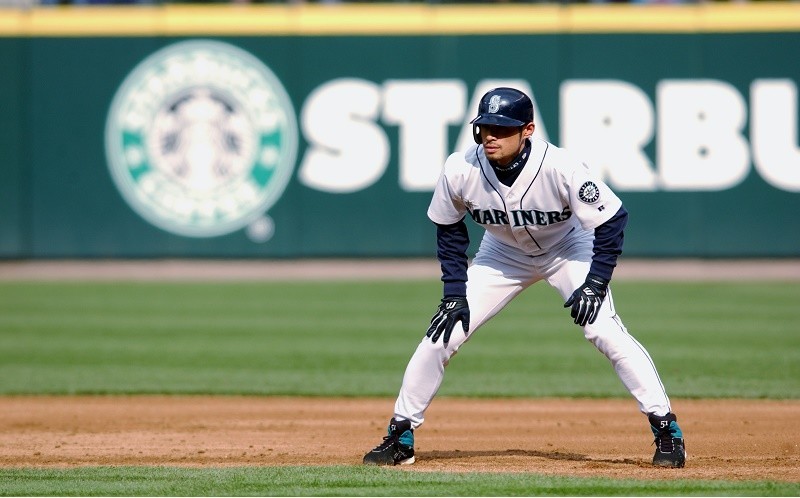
x=547, y=217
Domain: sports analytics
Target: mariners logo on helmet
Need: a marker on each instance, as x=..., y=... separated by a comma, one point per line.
x=494, y=104
x=589, y=193
x=201, y=140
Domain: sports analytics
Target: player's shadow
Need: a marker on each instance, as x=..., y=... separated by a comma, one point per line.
x=550, y=455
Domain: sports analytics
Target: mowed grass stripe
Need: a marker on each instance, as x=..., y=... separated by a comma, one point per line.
x=354, y=339
x=351, y=481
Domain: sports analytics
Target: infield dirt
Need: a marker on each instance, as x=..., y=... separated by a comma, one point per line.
x=726, y=439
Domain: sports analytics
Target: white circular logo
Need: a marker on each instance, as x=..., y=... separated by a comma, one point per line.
x=201, y=139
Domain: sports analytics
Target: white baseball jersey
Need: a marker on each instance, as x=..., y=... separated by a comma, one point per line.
x=554, y=194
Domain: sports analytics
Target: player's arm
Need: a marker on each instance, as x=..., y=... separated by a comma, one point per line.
x=608, y=238
x=448, y=211
x=452, y=242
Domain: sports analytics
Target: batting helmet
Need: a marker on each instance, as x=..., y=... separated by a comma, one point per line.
x=502, y=106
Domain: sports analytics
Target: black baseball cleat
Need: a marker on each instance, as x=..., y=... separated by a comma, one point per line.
x=397, y=447
x=670, y=450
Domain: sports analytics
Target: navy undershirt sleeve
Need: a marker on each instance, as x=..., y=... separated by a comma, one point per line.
x=608, y=239
x=452, y=242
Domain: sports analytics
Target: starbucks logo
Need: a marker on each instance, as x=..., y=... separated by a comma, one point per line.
x=201, y=140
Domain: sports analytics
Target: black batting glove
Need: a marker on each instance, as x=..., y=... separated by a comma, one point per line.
x=452, y=310
x=587, y=299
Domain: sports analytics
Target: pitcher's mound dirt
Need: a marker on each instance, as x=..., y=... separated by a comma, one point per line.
x=726, y=439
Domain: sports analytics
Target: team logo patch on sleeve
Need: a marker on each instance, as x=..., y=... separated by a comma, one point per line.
x=589, y=193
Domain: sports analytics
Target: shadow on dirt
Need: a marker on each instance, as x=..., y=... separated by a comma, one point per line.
x=550, y=455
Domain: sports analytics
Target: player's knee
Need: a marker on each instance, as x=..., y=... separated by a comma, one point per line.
x=593, y=332
x=439, y=350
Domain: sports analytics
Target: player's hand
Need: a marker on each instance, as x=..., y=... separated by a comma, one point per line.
x=587, y=299
x=452, y=310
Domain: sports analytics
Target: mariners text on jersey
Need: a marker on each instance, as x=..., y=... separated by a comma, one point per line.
x=519, y=217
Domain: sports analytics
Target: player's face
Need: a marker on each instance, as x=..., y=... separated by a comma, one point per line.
x=502, y=143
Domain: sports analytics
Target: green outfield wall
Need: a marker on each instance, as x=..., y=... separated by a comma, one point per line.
x=318, y=130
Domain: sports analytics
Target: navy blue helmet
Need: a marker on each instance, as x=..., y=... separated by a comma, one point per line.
x=502, y=106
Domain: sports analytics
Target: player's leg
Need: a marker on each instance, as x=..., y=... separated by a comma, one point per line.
x=630, y=359
x=490, y=287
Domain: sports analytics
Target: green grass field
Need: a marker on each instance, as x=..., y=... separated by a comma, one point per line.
x=708, y=340
x=349, y=481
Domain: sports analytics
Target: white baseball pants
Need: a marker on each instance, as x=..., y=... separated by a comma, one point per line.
x=496, y=276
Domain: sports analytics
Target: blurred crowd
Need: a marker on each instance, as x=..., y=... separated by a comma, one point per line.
x=30, y=3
